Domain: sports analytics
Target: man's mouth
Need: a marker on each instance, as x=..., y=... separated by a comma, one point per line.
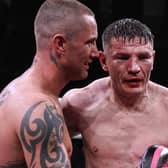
x=87, y=64
x=134, y=82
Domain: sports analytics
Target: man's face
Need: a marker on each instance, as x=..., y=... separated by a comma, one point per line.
x=129, y=64
x=81, y=49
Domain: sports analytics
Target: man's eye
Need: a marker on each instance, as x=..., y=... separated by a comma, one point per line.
x=91, y=43
x=144, y=56
x=123, y=57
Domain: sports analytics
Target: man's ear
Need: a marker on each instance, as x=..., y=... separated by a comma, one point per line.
x=102, y=60
x=58, y=44
x=153, y=59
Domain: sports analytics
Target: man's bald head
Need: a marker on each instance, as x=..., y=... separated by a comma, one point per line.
x=58, y=17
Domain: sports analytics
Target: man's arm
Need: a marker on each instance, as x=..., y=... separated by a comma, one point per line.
x=41, y=135
x=70, y=112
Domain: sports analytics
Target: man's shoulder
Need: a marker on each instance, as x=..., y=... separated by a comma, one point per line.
x=97, y=86
x=87, y=95
x=158, y=88
x=159, y=92
x=18, y=100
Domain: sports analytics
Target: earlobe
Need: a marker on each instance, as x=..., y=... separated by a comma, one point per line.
x=102, y=60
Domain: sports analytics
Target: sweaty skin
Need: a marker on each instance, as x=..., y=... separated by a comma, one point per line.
x=119, y=116
x=27, y=115
x=115, y=136
x=33, y=133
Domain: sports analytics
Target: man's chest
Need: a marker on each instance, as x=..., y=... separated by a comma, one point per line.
x=125, y=136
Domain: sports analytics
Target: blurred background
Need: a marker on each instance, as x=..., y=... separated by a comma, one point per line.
x=17, y=45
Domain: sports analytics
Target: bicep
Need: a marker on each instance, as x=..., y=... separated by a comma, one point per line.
x=41, y=135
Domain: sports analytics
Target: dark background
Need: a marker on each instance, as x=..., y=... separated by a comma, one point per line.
x=17, y=45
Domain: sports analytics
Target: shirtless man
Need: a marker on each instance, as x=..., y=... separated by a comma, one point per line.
x=120, y=116
x=32, y=128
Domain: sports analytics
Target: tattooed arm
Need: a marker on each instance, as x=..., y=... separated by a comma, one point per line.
x=41, y=134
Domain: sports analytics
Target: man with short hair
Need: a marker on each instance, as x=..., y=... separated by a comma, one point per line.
x=32, y=128
x=120, y=116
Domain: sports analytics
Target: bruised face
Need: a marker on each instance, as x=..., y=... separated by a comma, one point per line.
x=129, y=64
x=81, y=49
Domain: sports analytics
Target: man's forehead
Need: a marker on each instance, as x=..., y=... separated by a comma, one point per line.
x=137, y=42
x=130, y=47
x=130, y=41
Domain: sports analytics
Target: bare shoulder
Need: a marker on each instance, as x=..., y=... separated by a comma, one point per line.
x=158, y=88
x=87, y=95
x=159, y=91
x=16, y=102
x=33, y=119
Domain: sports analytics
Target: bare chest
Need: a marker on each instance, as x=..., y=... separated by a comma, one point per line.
x=124, y=137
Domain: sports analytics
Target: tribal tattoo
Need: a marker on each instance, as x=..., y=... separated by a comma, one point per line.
x=47, y=131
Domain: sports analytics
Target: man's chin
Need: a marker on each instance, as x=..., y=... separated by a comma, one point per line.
x=82, y=76
x=134, y=91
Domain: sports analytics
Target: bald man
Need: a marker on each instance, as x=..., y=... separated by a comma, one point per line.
x=32, y=127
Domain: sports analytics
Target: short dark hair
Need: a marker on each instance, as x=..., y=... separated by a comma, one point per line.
x=54, y=17
x=127, y=29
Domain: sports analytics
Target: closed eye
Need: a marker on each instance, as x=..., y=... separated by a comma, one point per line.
x=144, y=56
x=122, y=56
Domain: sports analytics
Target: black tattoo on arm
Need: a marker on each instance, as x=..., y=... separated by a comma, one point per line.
x=48, y=132
x=16, y=164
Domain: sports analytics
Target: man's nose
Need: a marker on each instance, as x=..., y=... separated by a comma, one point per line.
x=95, y=52
x=133, y=66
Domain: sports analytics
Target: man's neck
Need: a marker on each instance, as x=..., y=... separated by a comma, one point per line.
x=48, y=80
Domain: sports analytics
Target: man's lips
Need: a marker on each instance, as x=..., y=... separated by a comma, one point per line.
x=134, y=81
x=133, y=78
x=87, y=64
